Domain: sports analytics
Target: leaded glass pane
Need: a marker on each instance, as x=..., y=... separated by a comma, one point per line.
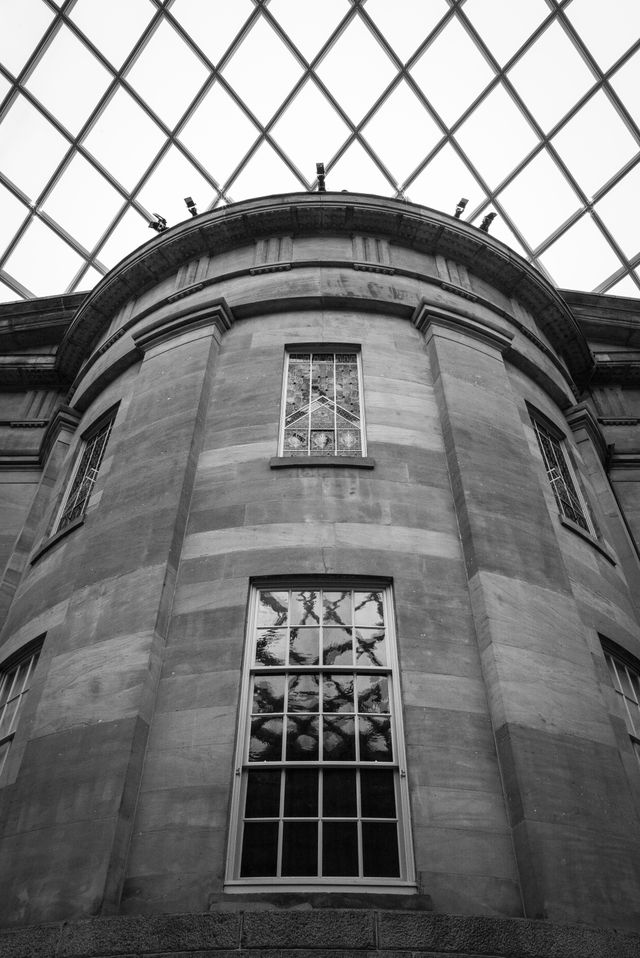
x=322, y=405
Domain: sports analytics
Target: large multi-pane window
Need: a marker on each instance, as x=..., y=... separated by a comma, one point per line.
x=85, y=474
x=560, y=475
x=625, y=678
x=321, y=787
x=322, y=405
x=15, y=681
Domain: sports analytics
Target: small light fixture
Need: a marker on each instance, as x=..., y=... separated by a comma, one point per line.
x=191, y=206
x=321, y=175
x=487, y=221
x=460, y=208
x=159, y=224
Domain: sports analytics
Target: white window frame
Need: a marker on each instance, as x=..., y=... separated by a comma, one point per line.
x=567, y=480
x=80, y=488
x=15, y=681
x=405, y=882
x=328, y=349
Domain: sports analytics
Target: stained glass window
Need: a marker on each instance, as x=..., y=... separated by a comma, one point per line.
x=322, y=405
x=85, y=475
x=320, y=793
x=15, y=681
x=564, y=486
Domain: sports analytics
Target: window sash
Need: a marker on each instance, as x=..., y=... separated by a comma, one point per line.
x=322, y=410
x=626, y=684
x=85, y=475
x=361, y=831
x=15, y=682
x=561, y=479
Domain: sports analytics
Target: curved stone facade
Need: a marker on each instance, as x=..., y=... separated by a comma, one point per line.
x=522, y=790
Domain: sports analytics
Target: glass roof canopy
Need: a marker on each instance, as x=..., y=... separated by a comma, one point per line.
x=113, y=111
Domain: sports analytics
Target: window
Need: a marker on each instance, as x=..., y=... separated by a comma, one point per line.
x=321, y=788
x=322, y=405
x=625, y=678
x=560, y=474
x=15, y=680
x=86, y=473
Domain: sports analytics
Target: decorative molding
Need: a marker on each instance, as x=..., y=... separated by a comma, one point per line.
x=374, y=268
x=187, y=291
x=582, y=417
x=426, y=317
x=63, y=418
x=625, y=460
x=270, y=268
x=19, y=461
x=620, y=421
x=119, y=333
x=25, y=423
x=458, y=290
x=216, y=315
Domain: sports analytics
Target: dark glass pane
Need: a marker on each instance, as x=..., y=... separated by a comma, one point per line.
x=303, y=693
x=339, y=742
x=339, y=848
x=302, y=738
x=380, y=850
x=263, y=794
x=375, y=739
x=272, y=608
x=337, y=693
x=370, y=647
x=268, y=693
x=373, y=693
x=301, y=793
x=259, y=849
x=271, y=645
x=339, y=793
x=369, y=609
x=300, y=848
x=377, y=793
x=265, y=744
x=337, y=647
x=303, y=646
x=305, y=608
x=337, y=608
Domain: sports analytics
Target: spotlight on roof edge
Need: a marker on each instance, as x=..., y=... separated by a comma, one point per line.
x=191, y=206
x=321, y=175
x=487, y=221
x=159, y=224
x=461, y=207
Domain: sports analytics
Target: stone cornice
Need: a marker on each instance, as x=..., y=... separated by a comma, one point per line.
x=582, y=417
x=427, y=317
x=327, y=213
x=215, y=315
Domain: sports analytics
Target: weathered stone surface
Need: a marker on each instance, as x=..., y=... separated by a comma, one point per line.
x=309, y=929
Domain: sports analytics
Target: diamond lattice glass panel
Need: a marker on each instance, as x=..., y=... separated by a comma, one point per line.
x=504, y=27
x=310, y=130
x=496, y=136
x=167, y=74
x=80, y=186
x=616, y=210
x=357, y=172
x=405, y=24
x=444, y=181
x=42, y=261
x=131, y=231
x=356, y=89
x=450, y=89
x=12, y=215
x=213, y=24
x=173, y=179
x=309, y=29
x=8, y=295
x=626, y=83
x=555, y=200
x=626, y=287
x=113, y=27
x=264, y=175
x=402, y=131
x=551, y=76
x=262, y=51
x=581, y=258
x=23, y=24
x=124, y=139
x=55, y=80
x=575, y=143
x=609, y=30
x=219, y=133
x=90, y=278
x=23, y=163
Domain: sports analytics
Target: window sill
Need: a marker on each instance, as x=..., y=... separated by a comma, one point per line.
x=320, y=886
x=352, y=462
x=54, y=539
x=588, y=537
